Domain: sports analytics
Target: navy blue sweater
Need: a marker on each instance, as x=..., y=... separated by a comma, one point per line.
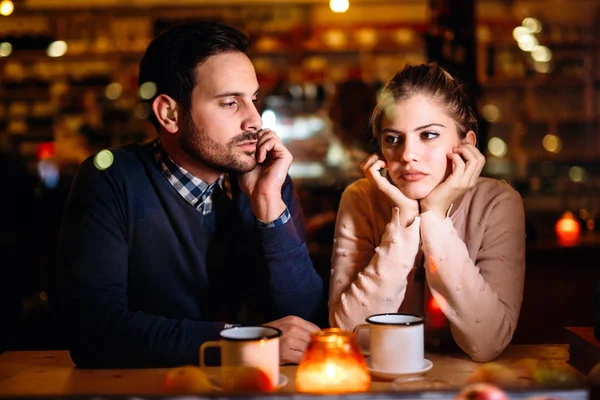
x=147, y=278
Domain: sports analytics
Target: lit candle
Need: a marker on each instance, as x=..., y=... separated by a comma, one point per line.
x=568, y=230
x=333, y=364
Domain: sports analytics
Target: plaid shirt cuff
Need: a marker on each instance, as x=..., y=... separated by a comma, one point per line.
x=283, y=218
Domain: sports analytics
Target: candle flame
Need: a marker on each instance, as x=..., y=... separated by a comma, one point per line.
x=330, y=371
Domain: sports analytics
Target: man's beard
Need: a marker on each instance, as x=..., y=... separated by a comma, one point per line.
x=200, y=147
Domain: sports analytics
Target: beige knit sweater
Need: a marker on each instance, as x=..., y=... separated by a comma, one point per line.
x=474, y=264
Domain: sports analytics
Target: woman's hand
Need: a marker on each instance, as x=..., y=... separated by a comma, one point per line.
x=409, y=209
x=467, y=163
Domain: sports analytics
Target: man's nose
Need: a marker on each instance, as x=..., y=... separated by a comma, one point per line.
x=252, y=120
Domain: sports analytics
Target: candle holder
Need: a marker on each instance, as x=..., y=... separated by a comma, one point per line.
x=333, y=363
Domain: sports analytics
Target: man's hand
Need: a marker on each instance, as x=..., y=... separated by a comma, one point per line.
x=467, y=163
x=409, y=208
x=295, y=338
x=263, y=184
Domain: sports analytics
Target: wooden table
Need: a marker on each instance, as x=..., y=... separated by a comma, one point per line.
x=51, y=373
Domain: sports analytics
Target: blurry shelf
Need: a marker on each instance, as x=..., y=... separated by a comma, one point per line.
x=552, y=44
x=40, y=56
x=560, y=120
x=549, y=81
x=563, y=157
x=25, y=94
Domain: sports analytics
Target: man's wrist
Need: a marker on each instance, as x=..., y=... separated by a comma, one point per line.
x=267, y=208
x=281, y=220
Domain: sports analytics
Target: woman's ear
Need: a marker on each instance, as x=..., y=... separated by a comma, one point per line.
x=166, y=111
x=470, y=138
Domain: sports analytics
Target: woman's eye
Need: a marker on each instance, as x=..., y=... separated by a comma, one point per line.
x=429, y=135
x=229, y=104
x=392, y=139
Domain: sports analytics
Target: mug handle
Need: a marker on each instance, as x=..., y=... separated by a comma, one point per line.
x=356, y=330
x=206, y=345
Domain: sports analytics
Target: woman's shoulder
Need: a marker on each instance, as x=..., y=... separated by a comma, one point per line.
x=361, y=189
x=493, y=189
x=490, y=193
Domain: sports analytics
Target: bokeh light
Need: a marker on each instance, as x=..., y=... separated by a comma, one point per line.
x=339, y=6
x=147, y=90
x=5, y=49
x=497, y=147
x=6, y=7
x=533, y=25
x=520, y=31
x=113, y=91
x=577, y=174
x=552, y=143
x=541, y=54
x=527, y=42
x=269, y=119
x=491, y=112
x=103, y=159
x=57, y=48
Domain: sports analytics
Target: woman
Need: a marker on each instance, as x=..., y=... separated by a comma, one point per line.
x=423, y=223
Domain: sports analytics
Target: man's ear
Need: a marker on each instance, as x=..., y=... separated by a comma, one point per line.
x=470, y=138
x=166, y=111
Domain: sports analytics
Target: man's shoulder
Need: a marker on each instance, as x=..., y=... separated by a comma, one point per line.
x=121, y=160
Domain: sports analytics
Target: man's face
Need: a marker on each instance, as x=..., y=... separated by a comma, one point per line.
x=221, y=128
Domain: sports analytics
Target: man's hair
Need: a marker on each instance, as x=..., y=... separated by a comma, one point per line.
x=171, y=59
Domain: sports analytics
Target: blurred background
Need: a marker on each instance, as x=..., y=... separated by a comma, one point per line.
x=68, y=88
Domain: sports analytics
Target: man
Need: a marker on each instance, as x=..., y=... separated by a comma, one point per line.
x=180, y=237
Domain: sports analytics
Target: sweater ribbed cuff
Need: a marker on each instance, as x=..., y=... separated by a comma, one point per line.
x=279, y=239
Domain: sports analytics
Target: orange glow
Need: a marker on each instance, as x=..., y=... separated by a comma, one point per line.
x=568, y=230
x=435, y=315
x=333, y=364
x=432, y=265
x=45, y=150
x=433, y=305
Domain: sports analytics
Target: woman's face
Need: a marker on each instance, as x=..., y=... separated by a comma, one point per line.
x=416, y=136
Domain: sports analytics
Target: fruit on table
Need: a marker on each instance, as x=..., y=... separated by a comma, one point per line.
x=556, y=377
x=495, y=374
x=481, y=391
x=526, y=367
x=247, y=379
x=186, y=379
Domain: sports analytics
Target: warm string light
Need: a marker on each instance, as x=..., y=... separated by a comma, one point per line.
x=524, y=35
x=339, y=6
x=6, y=7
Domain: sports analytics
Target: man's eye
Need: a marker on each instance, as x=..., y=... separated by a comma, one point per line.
x=229, y=104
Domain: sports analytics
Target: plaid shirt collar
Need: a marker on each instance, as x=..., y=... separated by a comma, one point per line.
x=195, y=191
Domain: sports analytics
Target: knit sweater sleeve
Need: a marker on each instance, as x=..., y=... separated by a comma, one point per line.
x=481, y=299
x=93, y=257
x=296, y=287
x=366, y=279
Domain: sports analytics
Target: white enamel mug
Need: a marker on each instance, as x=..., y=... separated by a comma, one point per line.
x=247, y=346
x=396, y=342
